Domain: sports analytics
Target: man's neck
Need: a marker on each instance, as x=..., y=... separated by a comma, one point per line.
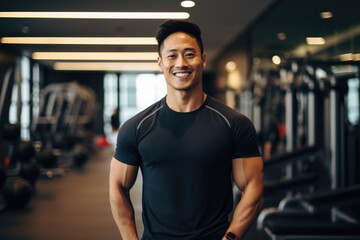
x=184, y=102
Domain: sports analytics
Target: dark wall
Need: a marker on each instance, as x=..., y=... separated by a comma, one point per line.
x=7, y=73
x=209, y=83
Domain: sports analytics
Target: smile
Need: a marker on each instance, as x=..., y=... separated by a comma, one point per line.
x=182, y=74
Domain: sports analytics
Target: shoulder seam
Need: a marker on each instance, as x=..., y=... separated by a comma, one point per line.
x=139, y=125
x=213, y=109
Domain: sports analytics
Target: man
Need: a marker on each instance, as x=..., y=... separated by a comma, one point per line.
x=188, y=145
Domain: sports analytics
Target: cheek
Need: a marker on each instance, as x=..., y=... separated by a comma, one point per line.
x=165, y=66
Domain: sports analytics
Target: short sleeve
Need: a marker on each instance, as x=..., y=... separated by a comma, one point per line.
x=126, y=150
x=245, y=138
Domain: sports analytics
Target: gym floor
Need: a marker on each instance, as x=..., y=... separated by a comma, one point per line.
x=75, y=206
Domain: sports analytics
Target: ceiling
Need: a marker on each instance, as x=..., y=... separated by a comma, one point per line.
x=221, y=23
x=301, y=19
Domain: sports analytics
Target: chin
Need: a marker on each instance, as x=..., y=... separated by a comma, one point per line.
x=185, y=88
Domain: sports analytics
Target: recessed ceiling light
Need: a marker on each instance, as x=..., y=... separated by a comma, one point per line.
x=230, y=66
x=25, y=29
x=326, y=15
x=276, y=59
x=256, y=60
x=187, y=4
x=315, y=41
x=97, y=15
x=107, y=66
x=81, y=40
x=281, y=36
x=120, y=56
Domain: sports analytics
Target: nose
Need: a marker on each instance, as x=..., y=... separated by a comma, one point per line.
x=181, y=61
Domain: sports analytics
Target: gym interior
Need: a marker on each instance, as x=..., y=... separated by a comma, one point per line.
x=292, y=67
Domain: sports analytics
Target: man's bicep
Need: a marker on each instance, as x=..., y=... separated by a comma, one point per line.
x=122, y=174
x=248, y=171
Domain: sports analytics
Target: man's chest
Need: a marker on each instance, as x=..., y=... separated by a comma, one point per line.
x=190, y=143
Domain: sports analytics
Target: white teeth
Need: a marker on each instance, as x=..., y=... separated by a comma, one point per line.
x=181, y=74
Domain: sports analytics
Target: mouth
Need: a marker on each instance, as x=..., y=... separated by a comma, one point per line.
x=182, y=74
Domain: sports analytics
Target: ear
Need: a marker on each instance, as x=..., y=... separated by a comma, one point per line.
x=159, y=62
x=203, y=60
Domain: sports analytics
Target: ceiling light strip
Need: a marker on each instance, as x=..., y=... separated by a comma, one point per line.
x=81, y=40
x=350, y=57
x=125, y=56
x=105, y=66
x=315, y=40
x=97, y=15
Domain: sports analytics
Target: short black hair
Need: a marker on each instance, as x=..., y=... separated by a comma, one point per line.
x=172, y=26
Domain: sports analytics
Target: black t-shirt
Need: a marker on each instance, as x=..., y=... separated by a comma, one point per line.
x=185, y=159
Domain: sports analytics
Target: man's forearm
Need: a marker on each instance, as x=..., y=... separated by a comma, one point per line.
x=123, y=213
x=244, y=215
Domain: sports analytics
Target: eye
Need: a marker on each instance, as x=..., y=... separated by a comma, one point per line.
x=190, y=55
x=171, y=56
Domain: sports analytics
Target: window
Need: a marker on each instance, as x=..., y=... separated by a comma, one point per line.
x=135, y=92
x=353, y=101
x=36, y=90
x=111, y=96
x=19, y=111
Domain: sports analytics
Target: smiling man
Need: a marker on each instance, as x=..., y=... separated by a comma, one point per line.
x=190, y=148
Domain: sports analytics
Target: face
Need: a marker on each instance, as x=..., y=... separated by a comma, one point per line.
x=181, y=62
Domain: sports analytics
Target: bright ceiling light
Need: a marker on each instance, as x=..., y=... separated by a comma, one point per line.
x=124, y=56
x=81, y=40
x=230, y=66
x=97, y=15
x=187, y=4
x=106, y=66
x=315, y=41
x=326, y=15
x=276, y=59
x=346, y=57
x=350, y=57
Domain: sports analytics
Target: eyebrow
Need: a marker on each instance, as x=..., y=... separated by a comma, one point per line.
x=186, y=49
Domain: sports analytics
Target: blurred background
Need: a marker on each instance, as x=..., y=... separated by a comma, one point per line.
x=71, y=73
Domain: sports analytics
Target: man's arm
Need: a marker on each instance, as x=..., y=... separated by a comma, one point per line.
x=248, y=177
x=122, y=178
